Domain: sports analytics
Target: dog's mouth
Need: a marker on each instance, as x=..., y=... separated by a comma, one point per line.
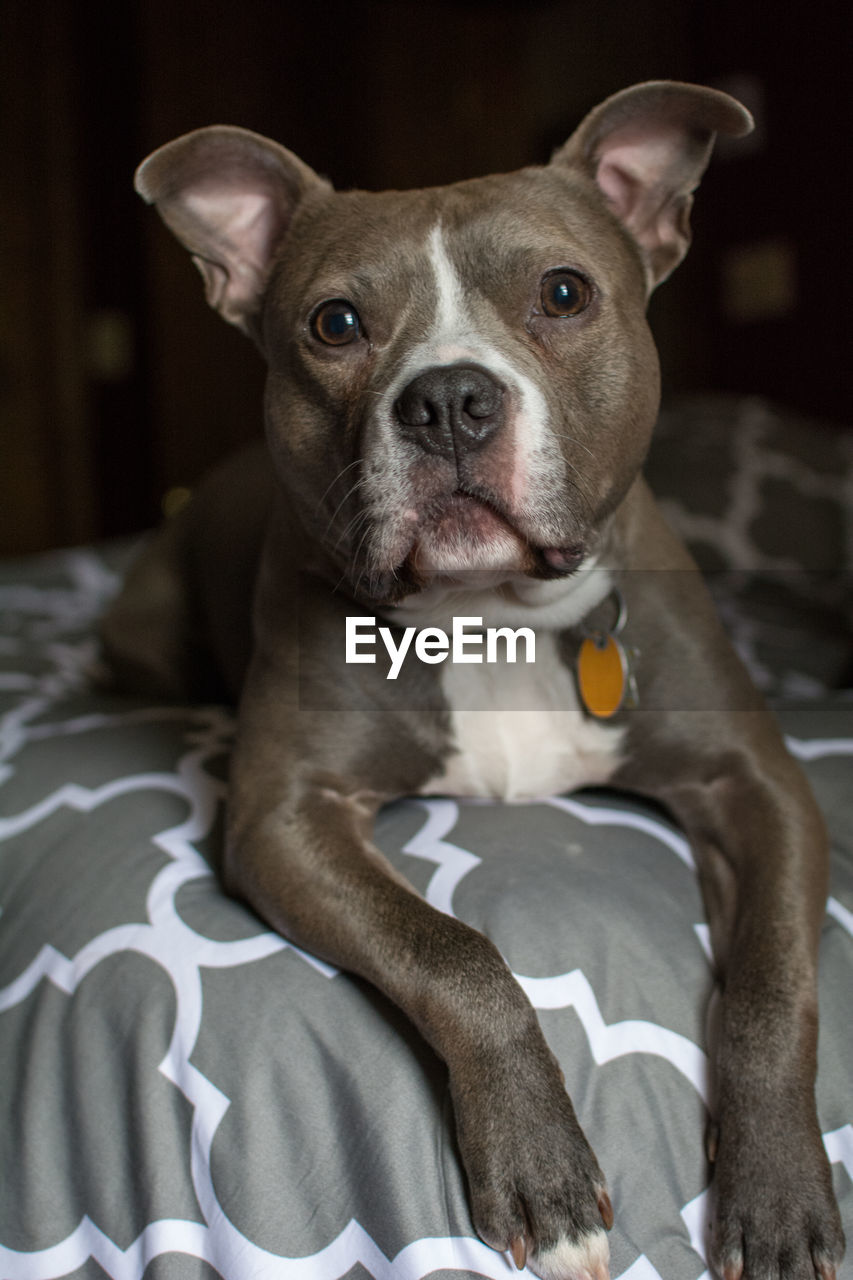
x=469, y=533
x=465, y=532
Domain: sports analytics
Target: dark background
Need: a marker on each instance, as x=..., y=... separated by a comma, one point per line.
x=118, y=384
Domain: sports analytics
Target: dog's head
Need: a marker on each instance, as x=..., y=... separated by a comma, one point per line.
x=460, y=379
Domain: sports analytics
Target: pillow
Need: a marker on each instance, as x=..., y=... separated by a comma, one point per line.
x=764, y=500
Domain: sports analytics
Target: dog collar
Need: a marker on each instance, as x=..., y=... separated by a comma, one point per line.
x=606, y=681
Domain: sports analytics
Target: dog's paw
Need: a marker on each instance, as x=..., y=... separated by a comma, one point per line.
x=776, y=1214
x=537, y=1192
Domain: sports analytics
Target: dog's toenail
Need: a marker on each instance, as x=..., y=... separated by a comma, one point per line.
x=518, y=1249
x=605, y=1208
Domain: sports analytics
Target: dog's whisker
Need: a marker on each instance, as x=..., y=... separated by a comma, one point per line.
x=356, y=463
x=564, y=435
x=357, y=552
x=347, y=496
x=352, y=527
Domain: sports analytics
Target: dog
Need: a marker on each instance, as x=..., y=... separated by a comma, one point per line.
x=461, y=391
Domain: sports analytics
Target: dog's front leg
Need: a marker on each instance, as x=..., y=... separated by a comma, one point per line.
x=299, y=850
x=762, y=851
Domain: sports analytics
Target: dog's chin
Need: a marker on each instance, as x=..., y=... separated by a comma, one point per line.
x=468, y=537
x=473, y=542
x=467, y=542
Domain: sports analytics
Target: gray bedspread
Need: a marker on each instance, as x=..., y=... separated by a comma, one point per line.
x=183, y=1095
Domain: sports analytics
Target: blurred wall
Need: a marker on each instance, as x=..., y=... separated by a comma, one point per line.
x=117, y=383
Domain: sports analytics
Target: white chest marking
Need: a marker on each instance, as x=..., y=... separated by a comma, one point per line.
x=519, y=732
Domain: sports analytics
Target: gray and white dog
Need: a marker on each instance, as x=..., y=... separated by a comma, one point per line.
x=461, y=390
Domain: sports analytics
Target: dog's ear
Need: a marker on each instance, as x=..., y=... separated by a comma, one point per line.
x=228, y=195
x=647, y=148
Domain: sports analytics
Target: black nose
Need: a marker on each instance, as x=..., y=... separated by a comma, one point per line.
x=451, y=409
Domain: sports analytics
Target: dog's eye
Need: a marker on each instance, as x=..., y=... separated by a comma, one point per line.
x=336, y=323
x=564, y=294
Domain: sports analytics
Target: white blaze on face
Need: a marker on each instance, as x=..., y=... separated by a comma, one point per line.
x=451, y=337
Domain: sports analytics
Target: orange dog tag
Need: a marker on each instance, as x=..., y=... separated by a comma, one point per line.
x=602, y=675
x=605, y=681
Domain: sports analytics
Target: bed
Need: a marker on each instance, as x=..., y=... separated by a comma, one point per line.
x=186, y=1096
